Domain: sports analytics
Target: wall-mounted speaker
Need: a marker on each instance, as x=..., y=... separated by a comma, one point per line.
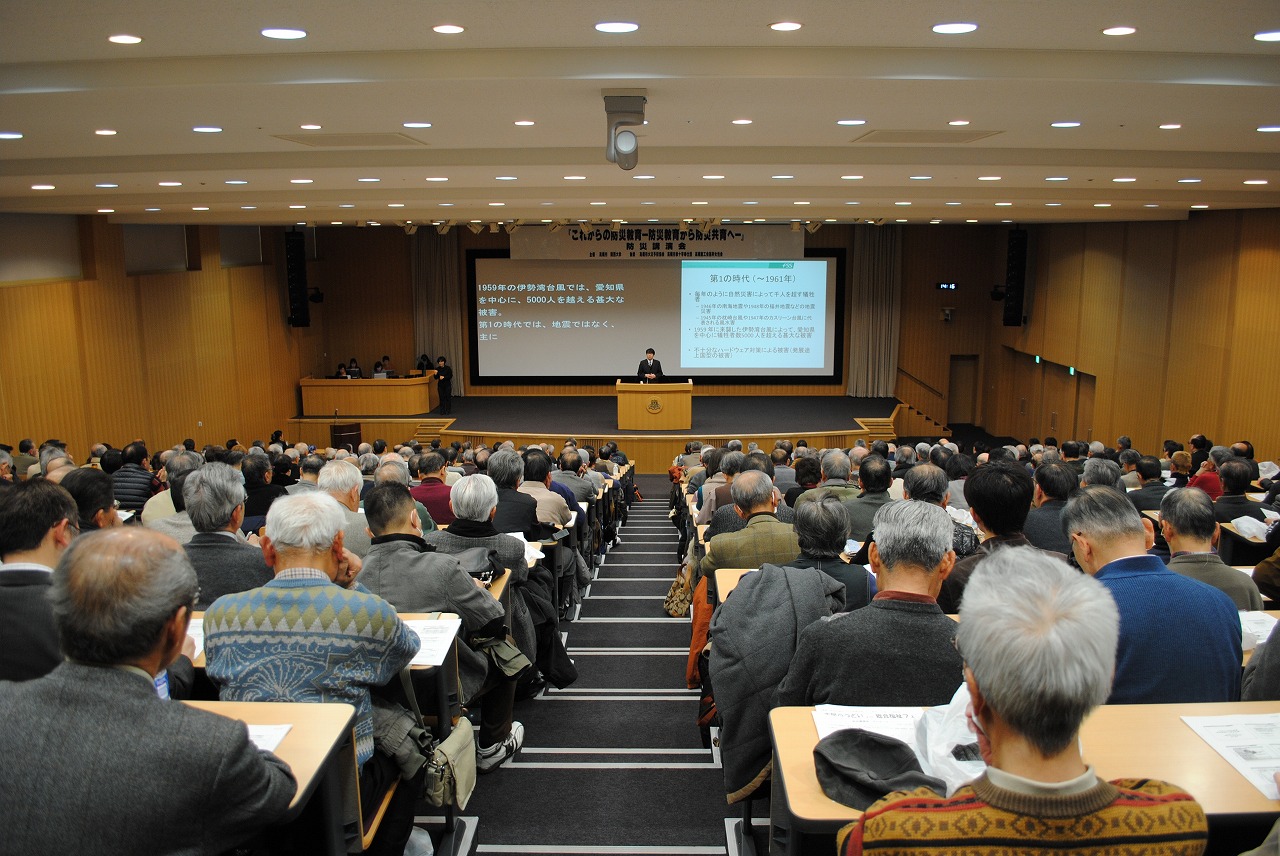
x=1015, y=277
x=295, y=271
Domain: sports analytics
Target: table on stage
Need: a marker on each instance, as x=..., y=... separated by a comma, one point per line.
x=654, y=406
x=1119, y=740
x=330, y=397
x=316, y=734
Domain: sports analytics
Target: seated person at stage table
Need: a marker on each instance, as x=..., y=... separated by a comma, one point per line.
x=409, y=574
x=1186, y=521
x=763, y=539
x=353, y=368
x=104, y=760
x=898, y=649
x=342, y=371
x=224, y=562
x=313, y=634
x=1179, y=638
x=822, y=528
x=649, y=370
x=1039, y=645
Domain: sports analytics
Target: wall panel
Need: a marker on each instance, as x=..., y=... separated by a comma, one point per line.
x=364, y=274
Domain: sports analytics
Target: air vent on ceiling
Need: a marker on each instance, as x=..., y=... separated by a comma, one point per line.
x=924, y=138
x=351, y=141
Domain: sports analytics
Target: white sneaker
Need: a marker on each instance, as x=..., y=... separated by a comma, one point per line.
x=492, y=757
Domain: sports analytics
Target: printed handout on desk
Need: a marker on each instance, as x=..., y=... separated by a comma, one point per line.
x=1259, y=624
x=896, y=722
x=196, y=631
x=532, y=549
x=435, y=637
x=1248, y=742
x=268, y=737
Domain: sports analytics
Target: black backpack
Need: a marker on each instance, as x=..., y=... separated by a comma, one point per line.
x=480, y=563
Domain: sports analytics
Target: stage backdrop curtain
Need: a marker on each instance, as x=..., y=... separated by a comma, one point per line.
x=438, y=301
x=876, y=293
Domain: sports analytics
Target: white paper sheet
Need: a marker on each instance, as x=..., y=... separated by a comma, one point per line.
x=897, y=722
x=196, y=631
x=435, y=637
x=268, y=737
x=532, y=549
x=1258, y=623
x=1250, y=743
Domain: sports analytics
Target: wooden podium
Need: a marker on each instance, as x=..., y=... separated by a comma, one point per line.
x=655, y=406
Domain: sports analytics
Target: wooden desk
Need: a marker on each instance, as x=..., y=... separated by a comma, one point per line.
x=727, y=580
x=359, y=397
x=1231, y=527
x=318, y=732
x=655, y=406
x=1119, y=740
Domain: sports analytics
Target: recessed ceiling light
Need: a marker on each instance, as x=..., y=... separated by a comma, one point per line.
x=1188, y=181
x=200, y=208
x=851, y=121
x=1102, y=205
x=346, y=205
x=448, y=29
x=1003, y=204
x=1151, y=205
x=42, y=187
x=717, y=177
x=395, y=204
x=1269, y=129
x=782, y=177
x=575, y=178
x=301, y=223
x=335, y=222
x=601, y=203
x=958, y=122
x=900, y=221
x=150, y=209
x=642, y=203
x=921, y=177
x=235, y=181
x=952, y=203
x=552, y=203
x=742, y=121
x=954, y=29
x=1064, y=124
x=1006, y=221
x=106, y=210
x=1119, y=31
x=1123, y=180
x=1057, y=178
x=1255, y=181
x=637, y=177
x=10, y=135
x=246, y=208
x=988, y=178
x=1053, y=205
x=1267, y=36
x=800, y=202
x=971, y=221
x=524, y=123
x=496, y=204
x=1199, y=206
x=934, y=222
x=902, y=203
x=853, y=203
x=851, y=177
x=617, y=27
x=207, y=129
x=791, y=26
x=417, y=124
x=1171, y=126
x=284, y=33
x=297, y=206
x=126, y=39
x=106, y=184
x=436, y=178
x=309, y=127
x=368, y=179
x=446, y=204
x=751, y=202
x=170, y=183
x=505, y=178
x=691, y=203
x=105, y=132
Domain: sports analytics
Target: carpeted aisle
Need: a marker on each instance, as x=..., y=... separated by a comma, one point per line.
x=614, y=764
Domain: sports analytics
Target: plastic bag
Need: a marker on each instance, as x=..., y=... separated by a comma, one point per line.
x=946, y=747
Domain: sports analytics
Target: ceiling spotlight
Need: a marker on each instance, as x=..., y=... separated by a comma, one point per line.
x=436, y=178
x=617, y=27
x=958, y=122
x=42, y=187
x=988, y=178
x=1269, y=129
x=624, y=108
x=1267, y=36
x=1171, y=126
x=309, y=127
x=125, y=39
x=851, y=121
x=284, y=33
x=105, y=132
x=447, y=30
x=1255, y=181
x=368, y=179
x=207, y=129
x=417, y=124
x=1064, y=124
x=954, y=29
x=742, y=121
x=10, y=135
x=792, y=26
x=112, y=210
x=170, y=183
x=1119, y=31
x=525, y=123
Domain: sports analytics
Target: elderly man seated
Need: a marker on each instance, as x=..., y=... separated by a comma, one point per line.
x=1039, y=644
x=103, y=757
x=313, y=634
x=225, y=562
x=822, y=527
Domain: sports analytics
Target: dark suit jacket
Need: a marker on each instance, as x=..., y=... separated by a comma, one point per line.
x=862, y=512
x=225, y=566
x=105, y=762
x=953, y=586
x=1044, y=527
x=1228, y=508
x=517, y=512
x=644, y=368
x=28, y=640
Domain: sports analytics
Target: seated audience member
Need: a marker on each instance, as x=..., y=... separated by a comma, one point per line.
x=1128, y=465
x=836, y=467
x=928, y=483
x=1187, y=525
x=95, y=499
x=764, y=539
x=1206, y=476
x=408, y=573
x=353, y=368
x=1055, y=482
x=224, y=561
x=517, y=511
x=808, y=476
x=6, y=469
x=312, y=634
x=258, y=487
x=393, y=469
x=121, y=601
x=1039, y=647
x=784, y=475
x=37, y=524
x=134, y=485
x=899, y=649
x=283, y=466
x=552, y=509
x=1233, y=475
x=432, y=492
x=1243, y=451
x=1148, y=496
x=178, y=525
x=1101, y=473
x=958, y=468
x=342, y=481
x=822, y=527
x=999, y=495
x=27, y=455
x=875, y=476
x=1071, y=453
x=163, y=503
x=1267, y=574
x=1180, y=468
x=571, y=473
x=1179, y=638
x=714, y=492
x=903, y=460
x=308, y=475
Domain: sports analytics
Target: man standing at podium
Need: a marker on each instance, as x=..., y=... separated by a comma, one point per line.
x=650, y=370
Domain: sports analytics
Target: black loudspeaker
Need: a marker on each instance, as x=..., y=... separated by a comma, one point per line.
x=295, y=271
x=1015, y=277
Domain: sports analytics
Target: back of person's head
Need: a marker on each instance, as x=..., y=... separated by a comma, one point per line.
x=339, y=478
x=731, y=463
x=913, y=534
x=734, y=445
x=474, y=498
x=255, y=469
x=835, y=465
x=1147, y=467
x=431, y=463
x=1129, y=457
x=1000, y=453
x=1057, y=480
x=1189, y=511
x=1171, y=446
x=537, y=466
x=1040, y=640
x=779, y=457
x=368, y=463
x=304, y=522
x=939, y=455
x=1102, y=514
x=1181, y=461
x=49, y=454
x=881, y=448
x=112, y=460
x=114, y=591
x=28, y=510
x=134, y=453
x=905, y=455
x=181, y=463
x=379, y=446
x=925, y=483
x=570, y=462
x=875, y=474
x=758, y=460
x=1071, y=449
x=392, y=471
x=822, y=527
x=1200, y=442
x=711, y=459
x=1100, y=471
x=211, y=496
x=958, y=467
x=1235, y=475
x=1220, y=455
x=1000, y=492
x=807, y=470
x=750, y=490
x=506, y=469
x=93, y=491
x=1243, y=449
x=1124, y=442
x=311, y=465
x=387, y=506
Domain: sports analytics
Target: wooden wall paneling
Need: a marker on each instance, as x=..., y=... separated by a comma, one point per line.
x=1251, y=409
x=1057, y=412
x=365, y=276
x=265, y=384
x=1101, y=286
x=1086, y=385
x=1057, y=304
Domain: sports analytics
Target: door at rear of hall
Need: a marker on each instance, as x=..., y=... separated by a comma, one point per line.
x=962, y=392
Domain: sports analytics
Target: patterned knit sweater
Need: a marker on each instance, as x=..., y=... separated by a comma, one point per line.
x=1142, y=817
x=302, y=638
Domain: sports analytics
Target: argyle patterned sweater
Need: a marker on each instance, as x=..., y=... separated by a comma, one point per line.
x=303, y=638
x=1127, y=817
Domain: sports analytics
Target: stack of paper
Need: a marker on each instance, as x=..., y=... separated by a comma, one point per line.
x=435, y=637
x=1250, y=743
